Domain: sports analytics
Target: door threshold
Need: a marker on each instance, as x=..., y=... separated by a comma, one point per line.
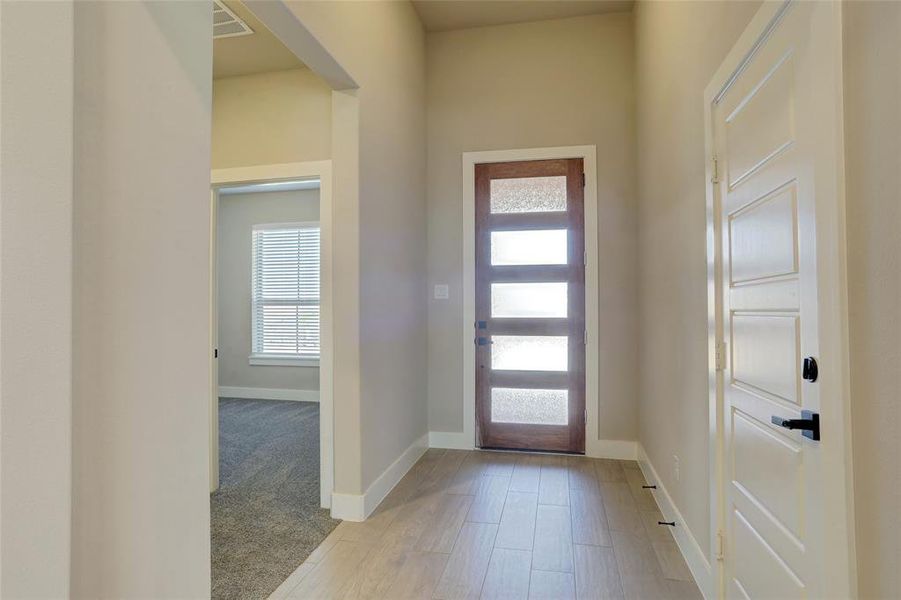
x=523, y=451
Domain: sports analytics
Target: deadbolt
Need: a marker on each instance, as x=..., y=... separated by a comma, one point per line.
x=809, y=370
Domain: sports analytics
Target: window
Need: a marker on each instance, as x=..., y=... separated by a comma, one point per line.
x=285, y=294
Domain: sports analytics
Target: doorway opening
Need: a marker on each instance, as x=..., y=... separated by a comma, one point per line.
x=581, y=270
x=271, y=440
x=530, y=305
x=586, y=180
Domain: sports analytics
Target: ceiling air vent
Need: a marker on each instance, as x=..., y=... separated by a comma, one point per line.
x=226, y=23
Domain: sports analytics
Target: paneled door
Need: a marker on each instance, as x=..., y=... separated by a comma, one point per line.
x=530, y=305
x=775, y=129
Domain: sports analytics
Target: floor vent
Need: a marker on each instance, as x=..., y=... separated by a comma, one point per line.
x=226, y=23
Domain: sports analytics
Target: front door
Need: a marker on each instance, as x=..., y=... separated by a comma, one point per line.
x=775, y=132
x=530, y=305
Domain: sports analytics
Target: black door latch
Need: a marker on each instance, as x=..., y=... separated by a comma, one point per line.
x=809, y=424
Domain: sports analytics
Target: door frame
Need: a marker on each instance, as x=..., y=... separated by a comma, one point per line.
x=593, y=445
x=833, y=313
x=321, y=170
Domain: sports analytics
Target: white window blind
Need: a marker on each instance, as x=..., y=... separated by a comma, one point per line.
x=285, y=289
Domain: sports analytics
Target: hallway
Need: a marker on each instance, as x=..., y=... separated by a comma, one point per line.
x=562, y=250
x=464, y=524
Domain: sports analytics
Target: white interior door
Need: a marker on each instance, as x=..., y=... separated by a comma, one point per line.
x=778, y=156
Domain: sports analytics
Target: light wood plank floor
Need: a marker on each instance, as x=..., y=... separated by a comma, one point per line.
x=471, y=524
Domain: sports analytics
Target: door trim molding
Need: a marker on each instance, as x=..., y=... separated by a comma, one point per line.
x=593, y=445
x=832, y=307
x=322, y=170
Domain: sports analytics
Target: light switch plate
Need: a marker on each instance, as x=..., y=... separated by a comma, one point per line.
x=442, y=291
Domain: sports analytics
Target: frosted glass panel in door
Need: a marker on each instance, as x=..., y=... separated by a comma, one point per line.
x=529, y=300
x=528, y=194
x=529, y=353
x=528, y=247
x=531, y=406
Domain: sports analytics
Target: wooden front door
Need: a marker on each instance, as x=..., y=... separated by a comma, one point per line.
x=530, y=305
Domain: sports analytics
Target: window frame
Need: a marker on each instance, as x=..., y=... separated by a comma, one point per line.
x=270, y=358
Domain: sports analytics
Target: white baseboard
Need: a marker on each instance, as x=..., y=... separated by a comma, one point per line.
x=452, y=440
x=376, y=492
x=227, y=391
x=688, y=545
x=356, y=507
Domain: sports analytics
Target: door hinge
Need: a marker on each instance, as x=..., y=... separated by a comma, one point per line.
x=583, y=179
x=585, y=337
x=585, y=258
x=720, y=358
x=215, y=352
x=716, y=171
x=720, y=546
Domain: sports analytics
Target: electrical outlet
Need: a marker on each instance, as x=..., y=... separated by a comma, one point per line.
x=442, y=291
x=675, y=468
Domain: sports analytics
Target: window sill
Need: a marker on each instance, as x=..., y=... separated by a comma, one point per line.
x=281, y=361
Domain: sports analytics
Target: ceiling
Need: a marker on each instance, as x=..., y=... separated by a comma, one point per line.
x=445, y=15
x=259, y=52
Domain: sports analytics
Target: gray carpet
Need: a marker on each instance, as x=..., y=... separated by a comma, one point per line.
x=265, y=516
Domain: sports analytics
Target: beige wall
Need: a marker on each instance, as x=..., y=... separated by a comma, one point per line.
x=552, y=83
x=270, y=118
x=382, y=46
x=872, y=53
x=238, y=213
x=679, y=45
x=35, y=298
x=141, y=300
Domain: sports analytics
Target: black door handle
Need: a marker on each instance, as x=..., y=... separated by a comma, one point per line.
x=809, y=424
